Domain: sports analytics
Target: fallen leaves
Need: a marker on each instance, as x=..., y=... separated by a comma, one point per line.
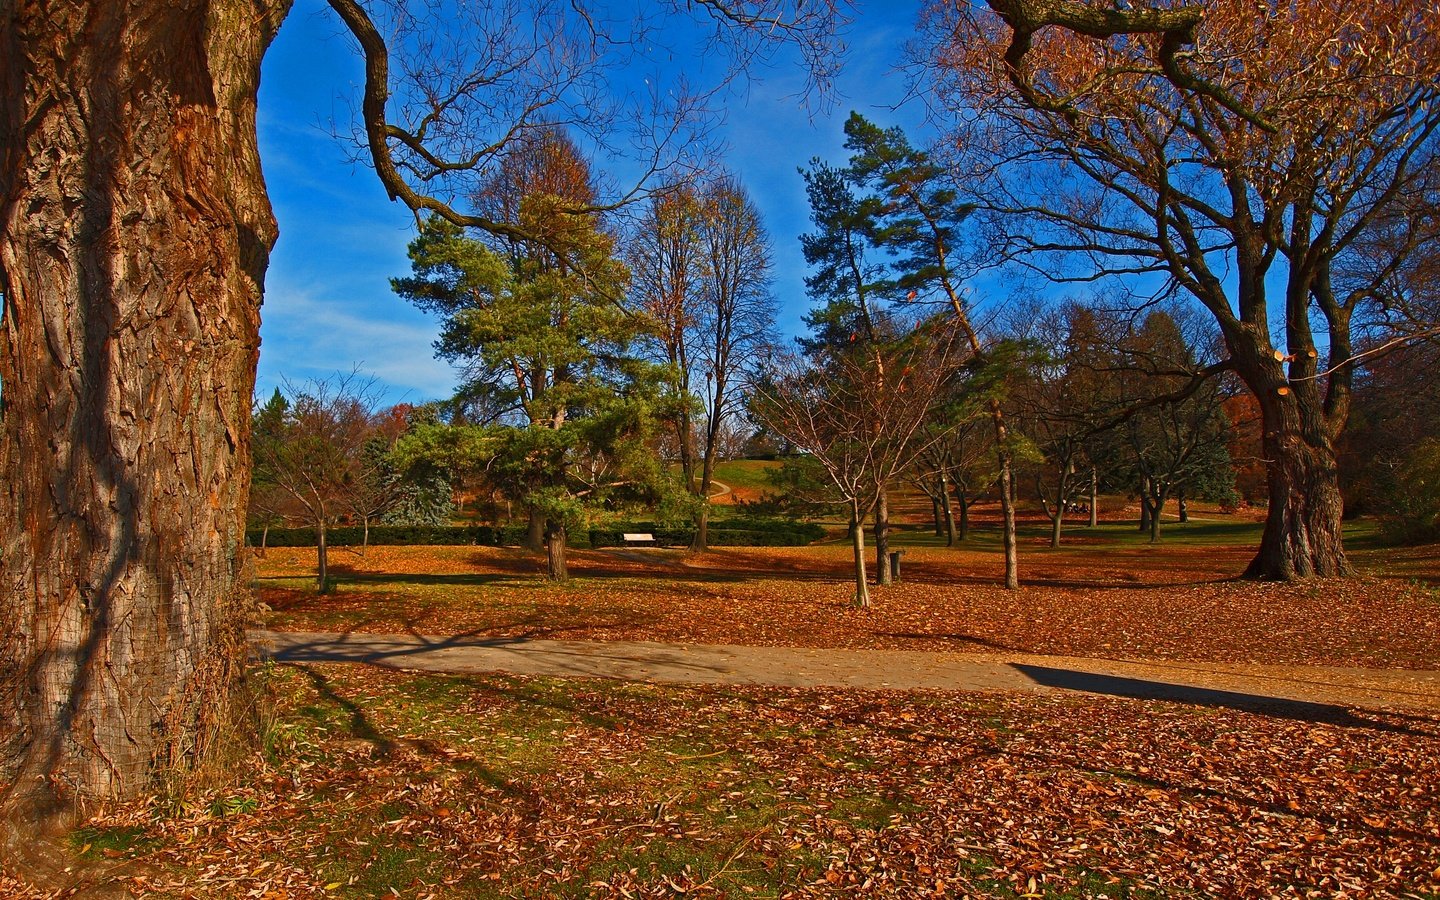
x=1171, y=603
x=535, y=787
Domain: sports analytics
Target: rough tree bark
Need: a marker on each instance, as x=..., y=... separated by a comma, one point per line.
x=134, y=237
x=556, y=568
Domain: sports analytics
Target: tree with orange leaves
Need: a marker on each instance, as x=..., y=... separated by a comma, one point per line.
x=1249, y=153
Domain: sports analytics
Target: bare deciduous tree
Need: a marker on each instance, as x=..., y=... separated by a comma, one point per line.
x=1247, y=152
x=864, y=424
x=318, y=455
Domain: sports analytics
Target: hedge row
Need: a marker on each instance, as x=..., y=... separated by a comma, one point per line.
x=749, y=533
x=744, y=533
x=380, y=535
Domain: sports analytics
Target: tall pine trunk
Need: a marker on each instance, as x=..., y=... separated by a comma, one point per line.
x=1007, y=515
x=134, y=237
x=535, y=531
x=962, y=498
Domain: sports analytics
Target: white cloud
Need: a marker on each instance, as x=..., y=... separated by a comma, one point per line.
x=311, y=334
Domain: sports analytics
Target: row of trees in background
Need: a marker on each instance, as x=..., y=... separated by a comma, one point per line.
x=325, y=451
x=595, y=358
x=585, y=355
x=895, y=375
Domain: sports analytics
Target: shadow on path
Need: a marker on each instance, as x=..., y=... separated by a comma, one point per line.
x=1145, y=689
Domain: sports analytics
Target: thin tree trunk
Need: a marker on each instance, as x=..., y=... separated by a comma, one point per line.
x=947, y=512
x=1057, y=524
x=701, y=542
x=962, y=497
x=857, y=543
x=264, y=538
x=1182, y=507
x=883, y=574
x=555, y=565
x=1145, y=504
x=134, y=236
x=322, y=558
x=1007, y=513
x=937, y=519
x=1094, y=498
x=365, y=534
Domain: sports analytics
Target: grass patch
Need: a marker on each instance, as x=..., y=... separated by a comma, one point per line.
x=748, y=474
x=123, y=840
x=473, y=786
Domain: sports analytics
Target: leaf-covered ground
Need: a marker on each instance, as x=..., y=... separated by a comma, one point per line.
x=379, y=783
x=1109, y=598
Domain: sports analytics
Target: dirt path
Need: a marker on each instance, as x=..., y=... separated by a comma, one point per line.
x=1301, y=691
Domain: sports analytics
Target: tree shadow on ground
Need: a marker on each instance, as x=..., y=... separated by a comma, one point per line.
x=1276, y=707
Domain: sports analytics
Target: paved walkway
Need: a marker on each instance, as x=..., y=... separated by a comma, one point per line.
x=1297, y=690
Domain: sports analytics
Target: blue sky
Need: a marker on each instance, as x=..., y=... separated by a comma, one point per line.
x=328, y=305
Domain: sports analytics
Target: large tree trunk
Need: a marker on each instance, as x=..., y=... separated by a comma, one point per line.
x=556, y=568
x=1302, y=537
x=1157, y=506
x=134, y=236
x=535, y=531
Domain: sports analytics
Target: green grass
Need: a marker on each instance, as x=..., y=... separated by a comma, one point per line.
x=750, y=474
x=95, y=842
x=1195, y=533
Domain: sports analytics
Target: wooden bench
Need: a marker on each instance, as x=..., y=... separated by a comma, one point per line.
x=638, y=538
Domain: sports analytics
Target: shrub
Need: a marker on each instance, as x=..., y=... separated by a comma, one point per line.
x=393, y=535
x=737, y=532
x=1412, y=497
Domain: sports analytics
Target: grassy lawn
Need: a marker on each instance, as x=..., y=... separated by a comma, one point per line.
x=747, y=477
x=376, y=783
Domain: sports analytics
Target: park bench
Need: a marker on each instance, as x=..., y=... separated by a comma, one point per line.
x=638, y=538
